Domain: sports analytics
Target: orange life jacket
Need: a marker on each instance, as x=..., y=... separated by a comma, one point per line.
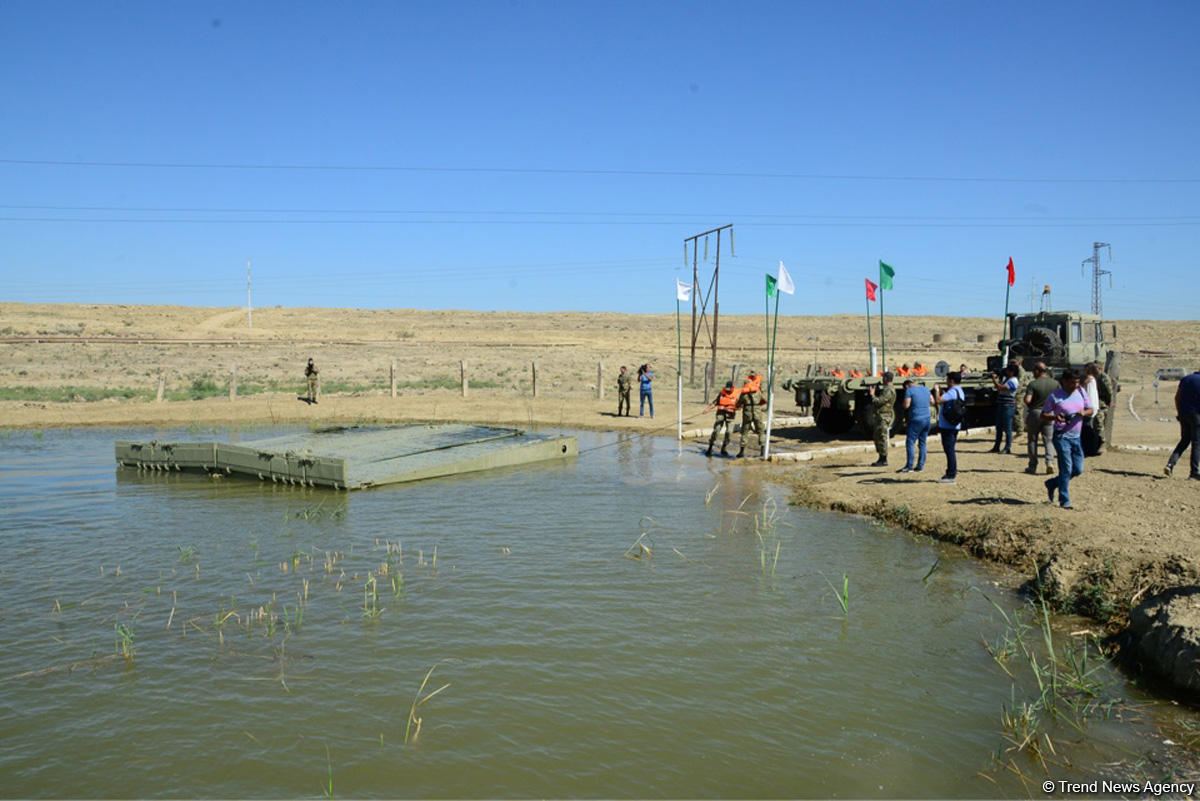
x=856, y=374
x=919, y=370
x=727, y=401
x=902, y=371
x=752, y=384
x=838, y=374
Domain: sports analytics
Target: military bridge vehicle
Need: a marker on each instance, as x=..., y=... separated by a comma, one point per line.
x=1061, y=339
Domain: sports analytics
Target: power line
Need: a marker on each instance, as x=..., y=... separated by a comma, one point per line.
x=589, y=171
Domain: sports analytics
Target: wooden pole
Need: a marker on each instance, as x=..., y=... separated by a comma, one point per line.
x=233, y=382
x=707, y=384
x=161, y=382
x=600, y=380
x=392, y=377
x=533, y=372
x=462, y=368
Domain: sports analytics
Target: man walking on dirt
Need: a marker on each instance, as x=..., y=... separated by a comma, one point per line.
x=310, y=373
x=883, y=401
x=1187, y=406
x=749, y=402
x=1037, y=431
x=624, y=385
x=1067, y=408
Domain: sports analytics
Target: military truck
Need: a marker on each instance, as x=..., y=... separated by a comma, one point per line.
x=1061, y=339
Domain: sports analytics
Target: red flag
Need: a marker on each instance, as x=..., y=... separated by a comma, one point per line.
x=871, y=289
x=1012, y=274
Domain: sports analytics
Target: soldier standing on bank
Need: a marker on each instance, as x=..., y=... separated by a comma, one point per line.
x=310, y=372
x=1106, y=388
x=749, y=402
x=726, y=404
x=624, y=383
x=883, y=401
x=1023, y=379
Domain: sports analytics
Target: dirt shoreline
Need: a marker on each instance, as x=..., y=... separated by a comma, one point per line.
x=1132, y=537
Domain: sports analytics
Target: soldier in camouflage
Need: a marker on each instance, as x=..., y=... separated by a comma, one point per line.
x=624, y=383
x=1023, y=379
x=1107, y=390
x=748, y=402
x=310, y=373
x=883, y=403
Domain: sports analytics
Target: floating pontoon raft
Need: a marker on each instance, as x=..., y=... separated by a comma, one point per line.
x=354, y=458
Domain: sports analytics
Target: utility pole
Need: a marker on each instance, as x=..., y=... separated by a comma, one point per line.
x=710, y=293
x=249, y=312
x=1097, y=304
x=1032, y=294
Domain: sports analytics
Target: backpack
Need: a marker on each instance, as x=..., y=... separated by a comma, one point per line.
x=954, y=410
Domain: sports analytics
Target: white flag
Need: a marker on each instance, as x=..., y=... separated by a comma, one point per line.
x=785, y=281
x=682, y=291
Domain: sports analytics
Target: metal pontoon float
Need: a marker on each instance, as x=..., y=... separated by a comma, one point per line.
x=355, y=458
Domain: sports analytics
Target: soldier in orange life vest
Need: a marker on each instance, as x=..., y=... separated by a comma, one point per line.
x=749, y=403
x=726, y=404
x=918, y=369
x=838, y=373
x=855, y=373
x=903, y=370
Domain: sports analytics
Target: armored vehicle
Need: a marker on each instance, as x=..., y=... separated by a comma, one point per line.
x=1061, y=339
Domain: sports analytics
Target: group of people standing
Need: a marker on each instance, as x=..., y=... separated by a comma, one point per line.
x=645, y=378
x=1055, y=416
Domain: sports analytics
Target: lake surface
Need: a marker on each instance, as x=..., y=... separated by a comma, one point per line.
x=278, y=637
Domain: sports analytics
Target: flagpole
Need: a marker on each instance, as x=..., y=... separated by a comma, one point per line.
x=882, y=335
x=766, y=455
x=678, y=372
x=1004, y=335
x=868, y=300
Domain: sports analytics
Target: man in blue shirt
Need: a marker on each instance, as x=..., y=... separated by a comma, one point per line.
x=917, y=402
x=952, y=397
x=1187, y=407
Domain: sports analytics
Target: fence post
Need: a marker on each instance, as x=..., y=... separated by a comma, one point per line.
x=734, y=375
x=533, y=371
x=392, y=377
x=707, y=385
x=159, y=398
x=233, y=382
x=600, y=380
x=462, y=368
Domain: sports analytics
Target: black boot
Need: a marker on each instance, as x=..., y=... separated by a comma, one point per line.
x=880, y=462
x=741, y=452
x=708, y=452
x=724, y=452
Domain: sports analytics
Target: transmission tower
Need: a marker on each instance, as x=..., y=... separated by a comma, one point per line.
x=1097, y=304
x=711, y=293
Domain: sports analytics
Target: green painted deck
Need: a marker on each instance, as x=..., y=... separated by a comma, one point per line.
x=354, y=458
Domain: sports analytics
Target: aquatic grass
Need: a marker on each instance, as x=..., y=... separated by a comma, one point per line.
x=843, y=597
x=327, y=788
x=187, y=553
x=766, y=532
x=418, y=701
x=124, y=640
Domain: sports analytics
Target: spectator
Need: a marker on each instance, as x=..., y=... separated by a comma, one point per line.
x=1067, y=407
x=952, y=405
x=917, y=402
x=1035, y=429
x=1187, y=407
x=645, y=376
x=1006, y=407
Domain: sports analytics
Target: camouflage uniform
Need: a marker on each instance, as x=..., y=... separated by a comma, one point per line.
x=310, y=372
x=624, y=383
x=1105, y=388
x=1023, y=378
x=751, y=420
x=884, y=405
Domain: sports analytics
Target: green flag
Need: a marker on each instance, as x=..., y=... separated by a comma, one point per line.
x=770, y=285
x=886, y=274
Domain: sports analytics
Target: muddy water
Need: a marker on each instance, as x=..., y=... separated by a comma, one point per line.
x=264, y=663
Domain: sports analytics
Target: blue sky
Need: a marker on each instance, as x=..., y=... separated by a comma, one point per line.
x=554, y=155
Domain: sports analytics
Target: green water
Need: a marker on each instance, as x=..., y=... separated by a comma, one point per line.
x=572, y=669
